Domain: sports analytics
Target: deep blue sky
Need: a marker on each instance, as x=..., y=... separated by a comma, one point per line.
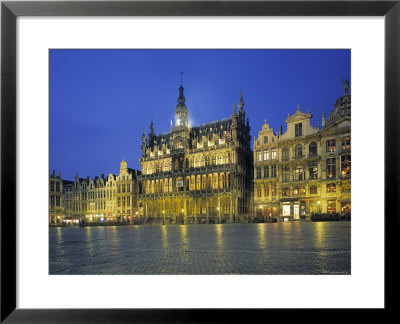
x=100, y=100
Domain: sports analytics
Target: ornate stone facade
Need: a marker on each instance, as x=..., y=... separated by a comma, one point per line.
x=305, y=170
x=199, y=174
x=102, y=199
x=56, y=201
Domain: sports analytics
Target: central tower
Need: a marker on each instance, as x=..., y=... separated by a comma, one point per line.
x=181, y=112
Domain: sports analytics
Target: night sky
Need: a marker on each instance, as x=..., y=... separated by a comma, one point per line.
x=101, y=100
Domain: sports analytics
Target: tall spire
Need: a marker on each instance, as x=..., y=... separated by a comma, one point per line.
x=151, y=127
x=234, y=109
x=181, y=98
x=241, y=102
x=181, y=112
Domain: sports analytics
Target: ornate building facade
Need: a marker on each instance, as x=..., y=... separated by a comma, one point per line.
x=56, y=199
x=102, y=199
x=200, y=174
x=305, y=170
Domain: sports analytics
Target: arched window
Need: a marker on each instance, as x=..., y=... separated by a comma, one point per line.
x=221, y=180
x=312, y=149
x=213, y=160
x=215, y=182
x=265, y=139
x=198, y=182
x=299, y=150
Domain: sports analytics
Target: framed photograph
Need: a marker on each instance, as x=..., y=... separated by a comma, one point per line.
x=189, y=160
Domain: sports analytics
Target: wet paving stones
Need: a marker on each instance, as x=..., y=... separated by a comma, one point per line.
x=279, y=248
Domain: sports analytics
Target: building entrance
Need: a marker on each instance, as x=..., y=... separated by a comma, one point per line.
x=296, y=211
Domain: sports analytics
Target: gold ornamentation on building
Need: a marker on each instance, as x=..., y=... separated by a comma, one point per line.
x=199, y=174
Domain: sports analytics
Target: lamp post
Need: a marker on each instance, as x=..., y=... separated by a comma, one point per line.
x=319, y=206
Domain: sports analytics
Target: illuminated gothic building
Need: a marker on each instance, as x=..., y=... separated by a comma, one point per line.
x=305, y=170
x=200, y=174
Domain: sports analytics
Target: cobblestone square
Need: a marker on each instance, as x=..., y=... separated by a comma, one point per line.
x=225, y=249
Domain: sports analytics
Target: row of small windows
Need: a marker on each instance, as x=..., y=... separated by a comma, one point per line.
x=299, y=173
x=264, y=191
x=124, y=201
x=199, y=182
x=196, y=162
x=298, y=150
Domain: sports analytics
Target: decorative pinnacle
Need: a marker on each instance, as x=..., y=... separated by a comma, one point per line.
x=298, y=107
x=234, y=108
x=241, y=102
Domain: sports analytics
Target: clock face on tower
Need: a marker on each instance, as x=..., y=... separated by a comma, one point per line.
x=180, y=120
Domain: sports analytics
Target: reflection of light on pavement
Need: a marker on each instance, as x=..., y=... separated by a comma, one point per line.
x=319, y=234
x=89, y=240
x=59, y=234
x=184, y=238
x=261, y=236
x=164, y=236
x=220, y=238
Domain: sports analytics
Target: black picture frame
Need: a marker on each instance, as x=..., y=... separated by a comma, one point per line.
x=10, y=10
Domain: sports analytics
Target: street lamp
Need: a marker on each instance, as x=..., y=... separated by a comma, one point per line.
x=319, y=206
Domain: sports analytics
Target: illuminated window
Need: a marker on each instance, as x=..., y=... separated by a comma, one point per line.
x=266, y=155
x=273, y=190
x=345, y=164
x=258, y=191
x=203, y=182
x=331, y=187
x=313, y=190
x=302, y=191
x=298, y=130
x=331, y=206
x=331, y=168
x=259, y=157
x=313, y=169
x=331, y=145
x=346, y=143
x=299, y=173
x=296, y=190
x=285, y=192
x=273, y=153
x=266, y=191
